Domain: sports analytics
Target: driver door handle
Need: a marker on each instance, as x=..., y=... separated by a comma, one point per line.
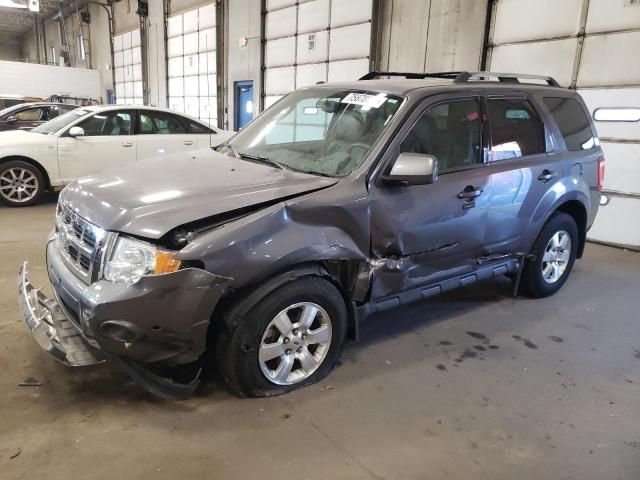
x=469, y=193
x=547, y=175
x=127, y=144
x=188, y=142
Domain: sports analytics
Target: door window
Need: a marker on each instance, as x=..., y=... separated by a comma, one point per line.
x=194, y=127
x=450, y=132
x=160, y=123
x=108, y=123
x=55, y=110
x=29, y=115
x=516, y=129
x=572, y=122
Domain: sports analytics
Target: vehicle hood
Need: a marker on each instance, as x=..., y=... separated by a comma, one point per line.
x=153, y=196
x=21, y=137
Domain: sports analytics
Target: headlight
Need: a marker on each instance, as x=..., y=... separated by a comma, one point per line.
x=131, y=259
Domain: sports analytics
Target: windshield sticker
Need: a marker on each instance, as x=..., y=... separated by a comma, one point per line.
x=365, y=100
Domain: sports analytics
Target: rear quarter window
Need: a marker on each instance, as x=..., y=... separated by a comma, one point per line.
x=516, y=129
x=572, y=122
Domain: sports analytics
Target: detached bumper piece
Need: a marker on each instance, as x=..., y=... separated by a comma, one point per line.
x=51, y=328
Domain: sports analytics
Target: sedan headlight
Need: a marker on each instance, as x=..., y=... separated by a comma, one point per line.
x=131, y=259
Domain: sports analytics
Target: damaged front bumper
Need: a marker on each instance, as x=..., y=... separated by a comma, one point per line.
x=51, y=328
x=159, y=322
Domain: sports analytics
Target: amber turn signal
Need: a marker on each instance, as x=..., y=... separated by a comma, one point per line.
x=166, y=263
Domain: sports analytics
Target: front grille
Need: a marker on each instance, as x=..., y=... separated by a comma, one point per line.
x=80, y=242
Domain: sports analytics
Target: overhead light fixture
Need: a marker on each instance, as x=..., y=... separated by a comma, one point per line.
x=12, y=4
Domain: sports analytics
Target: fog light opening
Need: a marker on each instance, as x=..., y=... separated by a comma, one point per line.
x=121, y=331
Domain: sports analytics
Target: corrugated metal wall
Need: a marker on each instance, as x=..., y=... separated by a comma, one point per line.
x=317, y=40
x=590, y=45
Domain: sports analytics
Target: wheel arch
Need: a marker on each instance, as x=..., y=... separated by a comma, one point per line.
x=32, y=162
x=578, y=212
x=239, y=302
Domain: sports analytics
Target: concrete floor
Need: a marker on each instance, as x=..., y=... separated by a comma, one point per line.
x=471, y=385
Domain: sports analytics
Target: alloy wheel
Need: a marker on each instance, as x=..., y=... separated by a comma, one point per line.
x=556, y=256
x=295, y=343
x=18, y=185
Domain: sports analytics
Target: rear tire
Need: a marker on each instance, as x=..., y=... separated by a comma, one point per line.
x=21, y=184
x=555, y=250
x=289, y=339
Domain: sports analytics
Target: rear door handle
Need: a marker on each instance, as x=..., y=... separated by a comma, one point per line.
x=188, y=142
x=127, y=144
x=469, y=193
x=547, y=175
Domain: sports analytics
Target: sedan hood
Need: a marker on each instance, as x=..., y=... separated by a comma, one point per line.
x=21, y=137
x=153, y=196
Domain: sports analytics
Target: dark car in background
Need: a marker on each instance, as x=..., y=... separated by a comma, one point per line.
x=25, y=116
x=7, y=101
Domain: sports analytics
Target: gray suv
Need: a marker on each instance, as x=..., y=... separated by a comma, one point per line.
x=261, y=258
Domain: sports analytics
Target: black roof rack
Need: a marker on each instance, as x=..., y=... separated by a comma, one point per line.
x=464, y=77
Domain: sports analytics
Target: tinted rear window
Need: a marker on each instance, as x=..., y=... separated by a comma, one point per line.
x=516, y=129
x=572, y=121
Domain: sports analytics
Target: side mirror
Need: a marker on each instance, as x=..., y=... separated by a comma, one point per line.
x=413, y=169
x=76, y=132
x=11, y=120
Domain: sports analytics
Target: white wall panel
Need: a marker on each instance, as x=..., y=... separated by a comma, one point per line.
x=544, y=58
x=191, y=66
x=126, y=40
x=614, y=223
x=176, y=87
x=176, y=67
x=207, y=62
x=281, y=23
x=607, y=15
x=117, y=43
x=174, y=26
x=347, y=12
x=319, y=53
x=279, y=81
x=348, y=70
x=174, y=47
x=207, y=40
x=609, y=60
x=280, y=52
x=614, y=97
x=118, y=59
x=190, y=21
x=271, y=99
x=276, y=4
x=350, y=42
x=190, y=43
x=310, y=74
x=207, y=17
x=313, y=16
x=622, y=167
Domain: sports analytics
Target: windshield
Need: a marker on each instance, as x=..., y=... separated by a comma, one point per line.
x=318, y=130
x=60, y=122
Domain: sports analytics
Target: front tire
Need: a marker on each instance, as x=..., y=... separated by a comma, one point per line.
x=21, y=184
x=555, y=250
x=291, y=338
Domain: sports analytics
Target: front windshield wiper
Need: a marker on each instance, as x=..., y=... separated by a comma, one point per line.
x=260, y=158
x=230, y=147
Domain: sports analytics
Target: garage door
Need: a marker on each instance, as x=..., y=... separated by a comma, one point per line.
x=590, y=45
x=191, y=48
x=317, y=40
x=127, y=59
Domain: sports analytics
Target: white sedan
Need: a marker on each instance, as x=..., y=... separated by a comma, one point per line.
x=91, y=139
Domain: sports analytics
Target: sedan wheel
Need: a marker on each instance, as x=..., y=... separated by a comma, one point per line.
x=21, y=183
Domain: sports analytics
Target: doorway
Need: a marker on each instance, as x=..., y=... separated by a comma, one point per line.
x=243, y=103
